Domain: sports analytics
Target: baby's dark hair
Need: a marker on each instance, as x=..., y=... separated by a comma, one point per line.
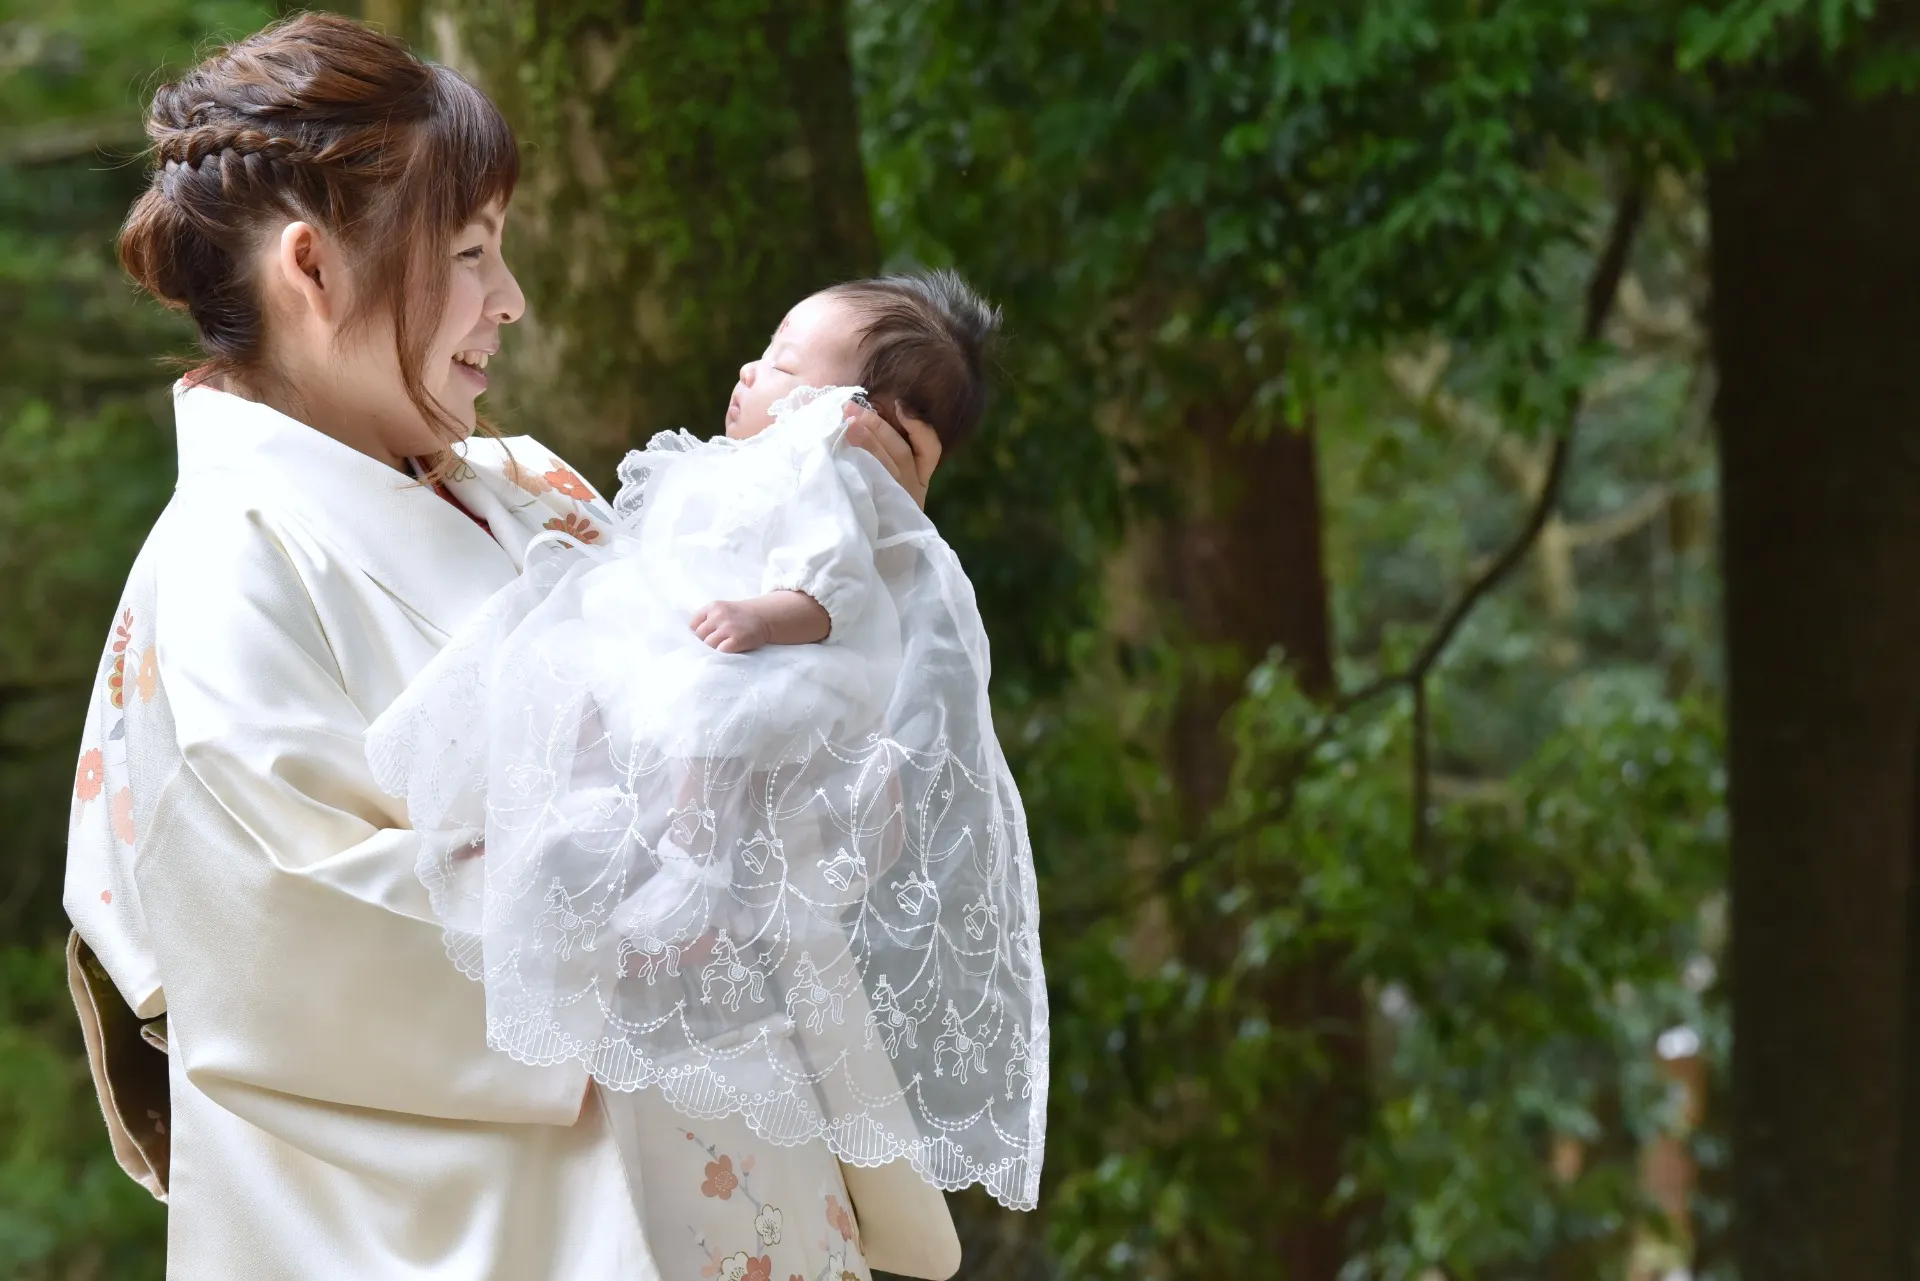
x=923, y=344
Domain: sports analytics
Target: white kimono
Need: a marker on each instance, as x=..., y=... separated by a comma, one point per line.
x=335, y=1111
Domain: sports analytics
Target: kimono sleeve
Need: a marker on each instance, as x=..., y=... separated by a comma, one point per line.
x=297, y=946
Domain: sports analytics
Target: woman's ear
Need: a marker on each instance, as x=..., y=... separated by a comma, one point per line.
x=306, y=266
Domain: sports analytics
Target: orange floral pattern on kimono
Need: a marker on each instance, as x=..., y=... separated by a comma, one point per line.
x=574, y=526
x=565, y=480
x=721, y=1180
x=91, y=776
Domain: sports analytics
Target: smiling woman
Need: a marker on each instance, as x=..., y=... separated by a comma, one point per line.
x=328, y=210
x=368, y=233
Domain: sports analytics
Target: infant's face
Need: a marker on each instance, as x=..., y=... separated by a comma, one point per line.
x=815, y=346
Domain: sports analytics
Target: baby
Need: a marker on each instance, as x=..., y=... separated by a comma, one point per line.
x=773, y=862
x=915, y=343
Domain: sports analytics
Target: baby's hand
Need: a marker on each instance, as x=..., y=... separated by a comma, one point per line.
x=778, y=618
x=732, y=626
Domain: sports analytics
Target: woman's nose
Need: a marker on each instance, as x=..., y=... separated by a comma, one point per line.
x=507, y=303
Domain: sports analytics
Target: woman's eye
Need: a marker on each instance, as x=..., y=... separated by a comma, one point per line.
x=473, y=254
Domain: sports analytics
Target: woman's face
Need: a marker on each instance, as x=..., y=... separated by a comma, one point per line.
x=817, y=345
x=347, y=377
x=482, y=296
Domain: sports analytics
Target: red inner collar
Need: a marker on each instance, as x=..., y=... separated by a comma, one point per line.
x=439, y=488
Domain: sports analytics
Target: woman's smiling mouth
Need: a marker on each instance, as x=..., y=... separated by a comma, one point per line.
x=473, y=365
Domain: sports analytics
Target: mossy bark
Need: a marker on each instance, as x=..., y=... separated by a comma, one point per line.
x=1814, y=257
x=690, y=172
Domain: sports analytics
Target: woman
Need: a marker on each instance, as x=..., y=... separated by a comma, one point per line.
x=328, y=210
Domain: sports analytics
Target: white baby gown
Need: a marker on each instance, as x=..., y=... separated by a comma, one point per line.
x=794, y=884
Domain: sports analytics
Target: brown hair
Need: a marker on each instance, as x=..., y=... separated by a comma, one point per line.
x=324, y=119
x=923, y=344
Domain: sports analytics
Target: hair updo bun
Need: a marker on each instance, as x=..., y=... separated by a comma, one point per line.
x=924, y=339
x=322, y=119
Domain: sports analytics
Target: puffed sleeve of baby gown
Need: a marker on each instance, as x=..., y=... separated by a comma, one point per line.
x=296, y=944
x=823, y=541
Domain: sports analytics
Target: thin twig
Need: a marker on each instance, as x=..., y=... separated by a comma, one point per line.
x=1422, y=768
x=1602, y=290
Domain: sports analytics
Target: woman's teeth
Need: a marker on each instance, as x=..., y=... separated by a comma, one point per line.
x=478, y=359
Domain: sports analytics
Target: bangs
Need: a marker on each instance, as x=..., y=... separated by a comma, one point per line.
x=467, y=152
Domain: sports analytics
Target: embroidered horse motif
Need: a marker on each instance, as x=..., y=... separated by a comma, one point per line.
x=569, y=925
x=892, y=1023
x=810, y=989
x=656, y=957
x=1020, y=1066
x=967, y=1052
x=726, y=967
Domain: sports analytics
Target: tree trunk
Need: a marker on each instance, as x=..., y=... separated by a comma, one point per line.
x=1243, y=574
x=690, y=172
x=1816, y=314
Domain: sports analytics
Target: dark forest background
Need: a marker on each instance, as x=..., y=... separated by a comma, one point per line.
x=1449, y=525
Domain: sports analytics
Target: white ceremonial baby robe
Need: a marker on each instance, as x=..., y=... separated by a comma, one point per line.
x=334, y=1110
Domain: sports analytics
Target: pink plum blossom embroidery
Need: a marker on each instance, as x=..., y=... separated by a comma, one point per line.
x=123, y=815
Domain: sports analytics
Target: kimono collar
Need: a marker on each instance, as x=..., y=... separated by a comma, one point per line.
x=415, y=544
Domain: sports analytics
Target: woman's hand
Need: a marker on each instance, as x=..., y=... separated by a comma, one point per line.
x=909, y=452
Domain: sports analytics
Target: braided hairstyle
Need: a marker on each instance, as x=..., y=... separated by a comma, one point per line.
x=924, y=341
x=321, y=119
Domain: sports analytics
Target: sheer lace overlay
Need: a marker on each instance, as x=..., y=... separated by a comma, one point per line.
x=794, y=884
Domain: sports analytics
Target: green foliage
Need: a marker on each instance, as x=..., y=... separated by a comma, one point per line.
x=67, y=1211
x=1178, y=203
x=1520, y=977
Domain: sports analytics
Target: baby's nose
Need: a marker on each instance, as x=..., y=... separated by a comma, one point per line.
x=746, y=373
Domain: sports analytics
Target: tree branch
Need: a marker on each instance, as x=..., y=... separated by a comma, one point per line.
x=1602, y=290
x=1620, y=523
x=63, y=140
x=1418, y=379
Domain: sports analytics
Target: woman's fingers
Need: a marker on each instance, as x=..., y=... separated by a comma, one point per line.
x=869, y=431
x=924, y=441
x=909, y=456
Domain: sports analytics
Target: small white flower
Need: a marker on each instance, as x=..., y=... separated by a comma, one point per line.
x=733, y=1267
x=768, y=1225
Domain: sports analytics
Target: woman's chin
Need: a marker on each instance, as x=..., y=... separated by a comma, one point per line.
x=460, y=416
